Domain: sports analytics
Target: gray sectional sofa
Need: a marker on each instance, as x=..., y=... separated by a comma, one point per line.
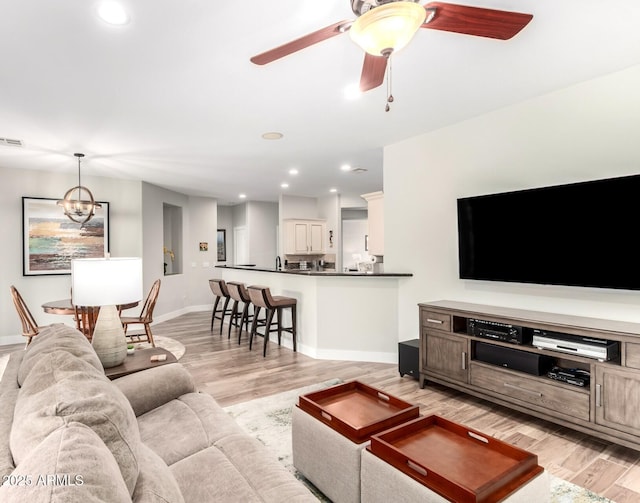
x=68, y=434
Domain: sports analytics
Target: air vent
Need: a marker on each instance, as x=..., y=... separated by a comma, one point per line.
x=8, y=142
x=358, y=170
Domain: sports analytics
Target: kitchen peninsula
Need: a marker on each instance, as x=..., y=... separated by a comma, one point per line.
x=341, y=316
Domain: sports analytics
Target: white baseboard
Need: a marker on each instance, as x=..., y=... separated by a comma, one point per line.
x=346, y=355
x=180, y=312
x=7, y=340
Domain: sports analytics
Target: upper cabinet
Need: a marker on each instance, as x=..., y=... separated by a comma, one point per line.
x=375, y=210
x=305, y=237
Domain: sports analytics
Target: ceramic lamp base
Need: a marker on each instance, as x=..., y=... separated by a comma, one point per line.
x=109, y=341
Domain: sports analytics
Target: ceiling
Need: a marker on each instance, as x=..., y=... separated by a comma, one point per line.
x=171, y=98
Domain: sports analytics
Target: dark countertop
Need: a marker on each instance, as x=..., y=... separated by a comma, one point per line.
x=317, y=273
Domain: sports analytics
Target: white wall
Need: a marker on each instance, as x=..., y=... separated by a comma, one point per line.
x=124, y=199
x=203, y=226
x=262, y=226
x=329, y=210
x=189, y=290
x=225, y=221
x=588, y=131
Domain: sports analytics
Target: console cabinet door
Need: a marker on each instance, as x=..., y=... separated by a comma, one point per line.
x=446, y=356
x=617, y=398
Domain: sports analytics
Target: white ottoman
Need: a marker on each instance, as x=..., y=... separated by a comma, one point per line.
x=382, y=483
x=326, y=458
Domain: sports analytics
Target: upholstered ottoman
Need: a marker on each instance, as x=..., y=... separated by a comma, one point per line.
x=436, y=460
x=382, y=483
x=331, y=427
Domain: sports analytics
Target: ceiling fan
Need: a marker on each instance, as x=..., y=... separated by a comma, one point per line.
x=405, y=18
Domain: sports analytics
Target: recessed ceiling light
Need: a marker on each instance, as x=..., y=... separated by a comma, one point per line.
x=242, y=196
x=284, y=185
x=293, y=171
x=333, y=190
x=113, y=13
x=345, y=167
x=273, y=135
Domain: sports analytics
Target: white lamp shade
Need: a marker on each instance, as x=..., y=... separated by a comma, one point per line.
x=106, y=281
x=388, y=27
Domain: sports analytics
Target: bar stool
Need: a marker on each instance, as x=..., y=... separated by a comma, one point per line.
x=220, y=291
x=262, y=299
x=239, y=294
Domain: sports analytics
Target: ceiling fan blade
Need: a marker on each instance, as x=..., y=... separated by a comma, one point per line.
x=373, y=71
x=476, y=21
x=301, y=43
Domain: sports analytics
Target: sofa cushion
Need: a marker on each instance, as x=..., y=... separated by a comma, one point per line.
x=156, y=483
x=193, y=422
x=60, y=389
x=243, y=471
x=269, y=478
x=71, y=464
x=57, y=337
x=223, y=482
x=8, y=400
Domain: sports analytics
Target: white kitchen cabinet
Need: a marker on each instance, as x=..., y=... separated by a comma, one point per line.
x=375, y=212
x=305, y=237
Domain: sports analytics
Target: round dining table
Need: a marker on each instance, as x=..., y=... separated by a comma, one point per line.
x=65, y=306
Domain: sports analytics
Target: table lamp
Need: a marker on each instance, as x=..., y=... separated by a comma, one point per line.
x=107, y=282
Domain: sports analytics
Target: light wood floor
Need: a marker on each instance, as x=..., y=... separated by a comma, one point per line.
x=232, y=374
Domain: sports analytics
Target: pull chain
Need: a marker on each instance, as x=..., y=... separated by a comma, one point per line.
x=389, y=95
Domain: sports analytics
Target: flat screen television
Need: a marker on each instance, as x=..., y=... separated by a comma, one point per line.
x=580, y=234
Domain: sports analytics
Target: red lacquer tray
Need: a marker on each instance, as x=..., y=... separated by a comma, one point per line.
x=357, y=410
x=457, y=462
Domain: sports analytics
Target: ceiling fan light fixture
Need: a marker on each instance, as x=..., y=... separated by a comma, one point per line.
x=387, y=28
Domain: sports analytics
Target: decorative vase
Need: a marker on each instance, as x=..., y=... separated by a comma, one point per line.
x=108, y=339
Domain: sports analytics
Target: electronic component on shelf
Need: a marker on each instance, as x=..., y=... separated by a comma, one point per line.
x=504, y=332
x=590, y=347
x=514, y=359
x=577, y=377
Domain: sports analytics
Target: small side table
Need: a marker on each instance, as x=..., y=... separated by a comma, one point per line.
x=139, y=360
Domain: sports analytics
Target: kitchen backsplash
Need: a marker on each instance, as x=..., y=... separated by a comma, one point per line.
x=326, y=262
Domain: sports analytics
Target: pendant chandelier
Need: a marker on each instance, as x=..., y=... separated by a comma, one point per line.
x=78, y=202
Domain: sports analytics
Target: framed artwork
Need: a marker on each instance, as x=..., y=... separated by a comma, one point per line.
x=50, y=240
x=204, y=246
x=221, y=242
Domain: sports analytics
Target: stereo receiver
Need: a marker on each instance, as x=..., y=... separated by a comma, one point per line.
x=504, y=332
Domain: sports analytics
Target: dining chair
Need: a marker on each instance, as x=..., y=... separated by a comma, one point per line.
x=86, y=317
x=145, y=318
x=29, y=326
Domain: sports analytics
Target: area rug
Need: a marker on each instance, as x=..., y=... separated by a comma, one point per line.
x=269, y=420
x=171, y=345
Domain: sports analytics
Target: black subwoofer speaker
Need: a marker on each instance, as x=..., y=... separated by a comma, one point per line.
x=409, y=358
x=531, y=363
